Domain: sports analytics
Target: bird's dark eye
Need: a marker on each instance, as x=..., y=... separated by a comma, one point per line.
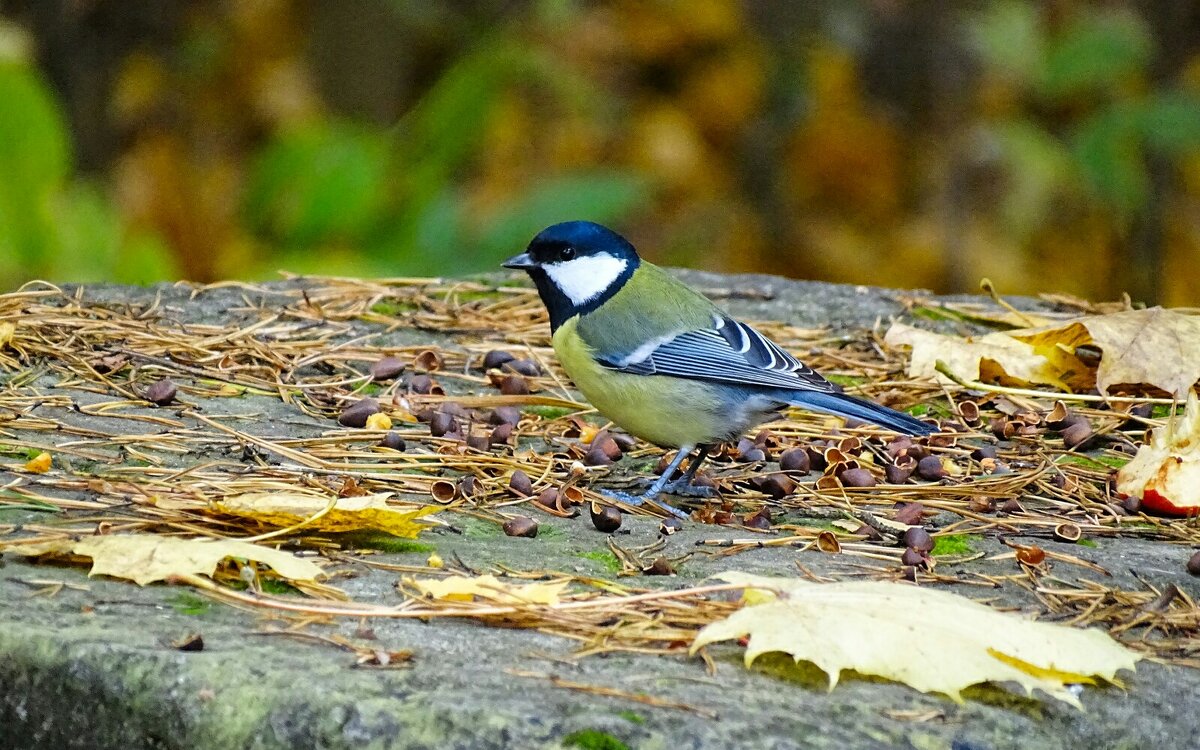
x=567, y=253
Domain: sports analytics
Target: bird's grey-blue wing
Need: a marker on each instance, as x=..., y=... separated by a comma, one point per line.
x=728, y=352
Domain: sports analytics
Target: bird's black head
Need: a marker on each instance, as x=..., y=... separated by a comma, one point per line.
x=577, y=266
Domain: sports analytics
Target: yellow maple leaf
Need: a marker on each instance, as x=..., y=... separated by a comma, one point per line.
x=1155, y=347
x=995, y=356
x=40, y=464
x=867, y=626
x=146, y=558
x=347, y=513
x=461, y=588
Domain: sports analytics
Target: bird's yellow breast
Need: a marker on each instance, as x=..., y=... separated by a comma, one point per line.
x=666, y=411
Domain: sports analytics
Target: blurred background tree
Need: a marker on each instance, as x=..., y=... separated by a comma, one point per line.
x=1046, y=145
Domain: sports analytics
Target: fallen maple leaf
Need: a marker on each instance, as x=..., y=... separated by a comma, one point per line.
x=461, y=588
x=868, y=626
x=993, y=357
x=146, y=558
x=1165, y=473
x=40, y=464
x=1155, y=347
x=347, y=514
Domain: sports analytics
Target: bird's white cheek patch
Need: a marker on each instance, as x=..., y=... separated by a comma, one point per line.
x=586, y=278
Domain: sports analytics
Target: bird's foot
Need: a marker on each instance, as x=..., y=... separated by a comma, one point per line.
x=683, y=488
x=643, y=499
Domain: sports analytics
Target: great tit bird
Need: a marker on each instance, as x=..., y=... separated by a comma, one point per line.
x=662, y=361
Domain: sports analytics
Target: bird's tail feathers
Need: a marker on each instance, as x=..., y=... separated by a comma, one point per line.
x=842, y=405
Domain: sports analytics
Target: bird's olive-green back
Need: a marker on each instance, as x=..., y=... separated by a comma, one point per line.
x=651, y=305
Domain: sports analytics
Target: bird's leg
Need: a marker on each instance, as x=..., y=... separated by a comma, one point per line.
x=651, y=495
x=683, y=485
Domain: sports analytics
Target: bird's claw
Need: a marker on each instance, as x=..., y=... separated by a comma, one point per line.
x=639, y=500
x=681, y=488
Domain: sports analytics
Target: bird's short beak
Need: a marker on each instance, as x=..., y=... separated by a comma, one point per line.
x=524, y=260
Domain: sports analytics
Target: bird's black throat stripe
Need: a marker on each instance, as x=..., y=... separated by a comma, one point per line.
x=560, y=306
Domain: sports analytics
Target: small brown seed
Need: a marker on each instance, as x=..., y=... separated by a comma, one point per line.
x=980, y=504
x=850, y=446
x=776, y=485
x=1031, y=555
x=1058, y=414
x=427, y=361
x=355, y=415
x=795, y=459
x=109, y=363
x=501, y=435
x=1010, y=506
x=899, y=445
x=816, y=458
x=1076, y=434
x=519, y=483
x=909, y=514
x=455, y=409
x=931, y=468
x=467, y=487
x=913, y=557
x=526, y=367
x=496, y=358
x=505, y=415
x=625, y=442
x=1141, y=410
x=918, y=538
x=189, y=642
x=744, y=445
x=597, y=457
x=984, y=451
x=897, y=474
x=754, y=455
x=161, y=392
x=916, y=452
x=521, y=526
x=910, y=573
x=857, y=478
x=758, y=521
x=1193, y=564
x=969, y=411
x=421, y=384
x=479, y=442
x=442, y=423
x=604, y=442
x=514, y=385
x=828, y=542
x=569, y=496
x=387, y=368
x=548, y=497
x=660, y=567
x=394, y=441
x=605, y=518
x=669, y=526
x=869, y=533
x=442, y=491
x=1067, y=532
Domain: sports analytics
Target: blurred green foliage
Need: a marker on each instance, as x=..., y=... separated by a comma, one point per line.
x=52, y=224
x=1046, y=147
